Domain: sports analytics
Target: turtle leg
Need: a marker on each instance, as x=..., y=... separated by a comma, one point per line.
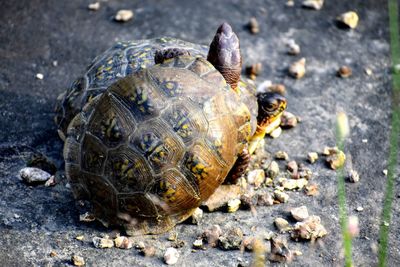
x=239, y=167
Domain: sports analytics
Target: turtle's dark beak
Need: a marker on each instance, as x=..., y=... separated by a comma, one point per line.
x=270, y=108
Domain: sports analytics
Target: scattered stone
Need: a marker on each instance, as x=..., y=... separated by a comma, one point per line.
x=86, y=217
x=53, y=254
x=288, y=120
x=293, y=48
x=40, y=161
x=353, y=226
x=148, y=251
x=79, y=237
x=247, y=201
x=327, y=150
x=281, y=155
x=55, y=63
x=222, y=195
x=39, y=76
x=233, y=205
x=254, y=70
x=298, y=68
x=348, y=20
x=253, y=26
x=77, y=260
x=273, y=170
x=269, y=182
x=171, y=256
x=282, y=225
x=344, y=72
x=292, y=184
x=368, y=71
x=277, y=88
x=123, y=242
x=292, y=166
x=311, y=190
x=265, y=199
x=313, y=4
x=264, y=87
x=304, y=172
x=212, y=235
x=94, y=6
x=197, y=216
x=51, y=181
x=312, y=157
x=364, y=141
x=289, y=3
x=276, y=132
x=124, y=15
x=359, y=209
x=279, y=250
x=99, y=242
x=33, y=175
x=231, y=239
x=297, y=253
x=172, y=236
x=354, y=177
x=336, y=158
x=309, y=229
x=280, y=196
x=198, y=244
x=256, y=177
x=300, y=213
x=385, y=172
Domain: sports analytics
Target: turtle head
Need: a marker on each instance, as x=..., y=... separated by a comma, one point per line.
x=224, y=54
x=270, y=109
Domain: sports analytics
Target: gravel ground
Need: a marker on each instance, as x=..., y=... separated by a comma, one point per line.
x=35, y=220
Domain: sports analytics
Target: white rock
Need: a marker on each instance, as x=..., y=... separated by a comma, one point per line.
x=39, y=76
x=197, y=216
x=171, y=256
x=99, y=242
x=256, y=177
x=300, y=213
x=94, y=6
x=233, y=205
x=314, y=4
x=34, y=175
x=124, y=15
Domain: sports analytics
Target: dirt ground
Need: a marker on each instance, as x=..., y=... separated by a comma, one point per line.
x=35, y=220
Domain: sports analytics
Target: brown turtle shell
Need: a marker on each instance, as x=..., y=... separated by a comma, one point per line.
x=157, y=143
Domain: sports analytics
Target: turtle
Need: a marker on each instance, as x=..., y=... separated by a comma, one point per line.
x=155, y=126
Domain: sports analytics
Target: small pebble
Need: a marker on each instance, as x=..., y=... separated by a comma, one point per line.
x=254, y=70
x=86, y=217
x=297, y=253
x=148, y=251
x=313, y=4
x=34, y=175
x=79, y=237
x=368, y=71
x=212, y=235
x=292, y=166
x=385, y=172
x=197, y=216
x=311, y=190
x=173, y=236
x=99, y=242
x=248, y=242
x=231, y=239
x=282, y=225
x=124, y=15
x=55, y=63
x=309, y=229
x=171, y=256
x=312, y=157
x=354, y=177
x=281, y=155
x=256, y=177
x=344, y=72
x=253, y=26
x=51, y=181
x=304, y=172
x=280, y=196
x=288, y=120
x=123, y=242
x=293, y=48
x=39, y=76
x=77, y=260
x=279, y=250
x=276, y=132
x=292, y=184
x=359, y=208
x=348, y=20
x=94, y=6
x=273, y=169
x=300, y=213
x=198, y=244
x=336, y=158
x=289, y=3
x=265, y=199
x=298, y=68
x=233, y=205
x=364, y=141
x=53, y=254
